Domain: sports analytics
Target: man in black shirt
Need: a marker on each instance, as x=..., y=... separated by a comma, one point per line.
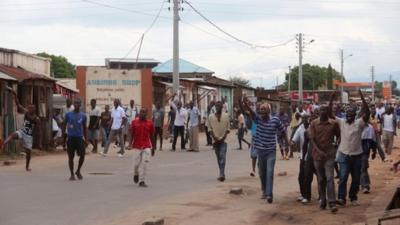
x=25, y=133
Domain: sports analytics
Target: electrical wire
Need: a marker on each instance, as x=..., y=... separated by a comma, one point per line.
x=122, y=9
x=146, y=31
x=234, y=37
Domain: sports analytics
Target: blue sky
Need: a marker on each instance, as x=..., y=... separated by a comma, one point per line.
x=87, y=33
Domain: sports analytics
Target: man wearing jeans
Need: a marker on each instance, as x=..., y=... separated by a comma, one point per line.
x=118, y=121
x=265, y=143
x=322, y=133
x=179, y=123
x=219, y=130
x=350, y=152
x=142, y=131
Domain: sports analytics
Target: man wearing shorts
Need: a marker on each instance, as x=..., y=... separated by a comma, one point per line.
x=75, y=124
x=26, y=132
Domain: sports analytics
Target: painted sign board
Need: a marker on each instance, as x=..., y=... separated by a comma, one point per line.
x=105, y=85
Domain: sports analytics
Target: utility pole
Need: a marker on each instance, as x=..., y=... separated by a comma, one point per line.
x=341, y=75
x=390, y=86
x=300, y=44
x=373, y=83
x=289, y=80
x=175, y=67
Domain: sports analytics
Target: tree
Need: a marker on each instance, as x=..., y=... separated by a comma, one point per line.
x=60, y=66
x=314, y=77
x=240, y=81
x=394, y=85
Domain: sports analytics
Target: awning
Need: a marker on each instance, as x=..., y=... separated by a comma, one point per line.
x=207, y=87
x=4, y=76
x=169, y=84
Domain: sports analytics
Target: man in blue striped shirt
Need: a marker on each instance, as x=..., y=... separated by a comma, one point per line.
x=268, y=127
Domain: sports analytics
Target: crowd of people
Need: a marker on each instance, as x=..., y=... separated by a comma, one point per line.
x=328, y=137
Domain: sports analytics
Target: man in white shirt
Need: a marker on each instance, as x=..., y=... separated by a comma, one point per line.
x=118, y=123
x=94, y=125
x=193, y=120
x=380, y=110
x=350, y=151
x=388, y=128
x=131, y=114
x=179, y=123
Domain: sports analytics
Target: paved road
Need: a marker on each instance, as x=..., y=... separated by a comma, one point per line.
x=45, y=196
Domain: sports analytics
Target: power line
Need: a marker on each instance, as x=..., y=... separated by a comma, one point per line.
x=122, y=9
x=146, y=31
x=232, y=36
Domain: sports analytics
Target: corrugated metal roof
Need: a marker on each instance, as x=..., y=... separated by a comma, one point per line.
x=207, y=87
x=169, y=84
x=21, y=74
x=218, y=81
x=184, y=67
x=62, y=84
x=4, y=76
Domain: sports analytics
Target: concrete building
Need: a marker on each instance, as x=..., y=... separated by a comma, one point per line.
x=26, y=61
x=105, y=84
x=34, y=86
x=197, y=84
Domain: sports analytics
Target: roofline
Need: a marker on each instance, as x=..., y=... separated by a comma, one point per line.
x=23, y=53
x=214, y=84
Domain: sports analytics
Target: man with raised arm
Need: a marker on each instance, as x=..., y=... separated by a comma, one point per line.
x=350, y=151
x=25, y=133
x=265, y=144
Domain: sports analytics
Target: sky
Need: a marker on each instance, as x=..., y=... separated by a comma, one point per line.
x=87, y=33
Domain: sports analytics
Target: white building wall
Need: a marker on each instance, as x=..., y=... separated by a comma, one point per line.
x=32, y=63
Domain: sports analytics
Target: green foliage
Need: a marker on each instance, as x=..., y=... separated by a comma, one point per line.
x=240, y=81
x=395, y=90
x=314, y=77
x=60, y=66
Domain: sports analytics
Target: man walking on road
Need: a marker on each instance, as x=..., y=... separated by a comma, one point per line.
x=131, y=114
x=265, y=144
x=105, y=124
x=241, y=130
x=322, y=133
x=75, y=124
x=118, y=122
x=306, y=171
x=350, y=151
x=193, y=120
x=388, y=123
x=179, y=123
x=94, y=125
x=158, y=120
x=219, y=130
x=142, y=131
x=210, y=111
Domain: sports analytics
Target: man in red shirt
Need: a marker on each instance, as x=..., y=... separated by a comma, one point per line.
x=142, y=130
